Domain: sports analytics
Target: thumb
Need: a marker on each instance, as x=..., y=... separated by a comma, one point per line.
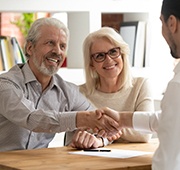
x=99, y=113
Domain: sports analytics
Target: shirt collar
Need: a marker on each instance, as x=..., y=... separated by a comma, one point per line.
x=177, y=68
x=28, y=74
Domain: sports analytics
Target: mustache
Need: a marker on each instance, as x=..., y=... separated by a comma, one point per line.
x=54, y=55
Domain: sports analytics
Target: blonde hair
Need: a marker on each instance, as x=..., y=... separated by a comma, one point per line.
x=92, y=78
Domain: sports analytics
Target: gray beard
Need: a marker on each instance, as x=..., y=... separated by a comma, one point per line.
x=43, y=69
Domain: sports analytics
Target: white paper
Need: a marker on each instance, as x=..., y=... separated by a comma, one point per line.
x=115, y=153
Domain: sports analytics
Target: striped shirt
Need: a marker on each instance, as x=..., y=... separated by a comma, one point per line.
x=29, y=118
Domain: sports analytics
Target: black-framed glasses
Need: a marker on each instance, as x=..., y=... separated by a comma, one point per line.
x=113, y=53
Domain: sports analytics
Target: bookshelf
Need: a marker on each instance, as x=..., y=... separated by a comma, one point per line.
x=10, y=53
x=85, y=16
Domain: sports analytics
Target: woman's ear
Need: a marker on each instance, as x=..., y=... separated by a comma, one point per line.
x=92, y=66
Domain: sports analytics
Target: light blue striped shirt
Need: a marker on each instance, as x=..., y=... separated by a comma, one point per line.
x=29, y=118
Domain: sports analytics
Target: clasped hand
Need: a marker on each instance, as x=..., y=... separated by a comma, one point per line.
x=106, y=122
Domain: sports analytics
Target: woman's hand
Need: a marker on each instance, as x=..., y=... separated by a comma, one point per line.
x=115, y=137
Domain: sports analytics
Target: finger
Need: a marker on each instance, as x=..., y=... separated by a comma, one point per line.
x=101, y=133
x=81, y=141
x=109, y=124
x=115, y=137
x=85, y=143
x=75, y=140
x=96, y=130
x=89, y=141
x=76, y=136
x=72, y=145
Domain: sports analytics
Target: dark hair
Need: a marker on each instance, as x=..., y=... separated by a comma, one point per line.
x=170, y=7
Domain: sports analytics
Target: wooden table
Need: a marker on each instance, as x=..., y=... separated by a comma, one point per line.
x=60, y=159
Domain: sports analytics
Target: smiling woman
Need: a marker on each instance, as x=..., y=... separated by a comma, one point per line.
x=109, y=83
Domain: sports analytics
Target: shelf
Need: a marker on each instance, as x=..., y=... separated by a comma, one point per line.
x=79, y=5
x=88, y=14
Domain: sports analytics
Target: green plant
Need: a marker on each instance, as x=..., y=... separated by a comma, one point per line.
x=24, y=22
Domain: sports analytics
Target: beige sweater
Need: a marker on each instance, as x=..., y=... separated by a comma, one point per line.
x=137, y=98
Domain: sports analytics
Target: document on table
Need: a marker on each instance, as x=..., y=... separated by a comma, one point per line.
x=113, y=153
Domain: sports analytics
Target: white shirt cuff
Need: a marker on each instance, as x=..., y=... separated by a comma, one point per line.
x=141, y=122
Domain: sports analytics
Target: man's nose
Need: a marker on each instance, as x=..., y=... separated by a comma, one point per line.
x=57, y=49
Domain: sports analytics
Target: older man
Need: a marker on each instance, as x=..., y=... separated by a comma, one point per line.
x=35, y=102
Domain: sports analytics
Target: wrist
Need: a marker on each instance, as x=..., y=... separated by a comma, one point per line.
x=81, y=119
x=101, y=140
x=126, y=119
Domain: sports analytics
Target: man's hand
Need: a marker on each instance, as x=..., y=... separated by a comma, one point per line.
x=85, y=140
x=97, y=120
x=115, y=115
x=124, y=118
x=111, y=113
x=105, y=122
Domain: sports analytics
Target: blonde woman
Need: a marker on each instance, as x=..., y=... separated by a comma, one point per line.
x=109, y=83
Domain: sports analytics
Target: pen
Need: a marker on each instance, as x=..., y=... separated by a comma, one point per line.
x=97, y=150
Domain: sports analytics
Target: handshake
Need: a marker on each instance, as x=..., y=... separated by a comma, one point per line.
x=104, y=122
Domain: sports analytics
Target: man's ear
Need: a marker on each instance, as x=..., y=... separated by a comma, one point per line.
x=172, y=23
x=29, y=47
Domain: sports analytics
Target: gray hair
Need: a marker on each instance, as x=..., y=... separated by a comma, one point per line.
x=92, y=78
x=34, y=32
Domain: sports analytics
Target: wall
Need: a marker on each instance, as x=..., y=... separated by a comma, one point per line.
x=8, y=29
x=112, y=20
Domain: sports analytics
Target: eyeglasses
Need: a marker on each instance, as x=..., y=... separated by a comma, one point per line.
x=113, y=53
